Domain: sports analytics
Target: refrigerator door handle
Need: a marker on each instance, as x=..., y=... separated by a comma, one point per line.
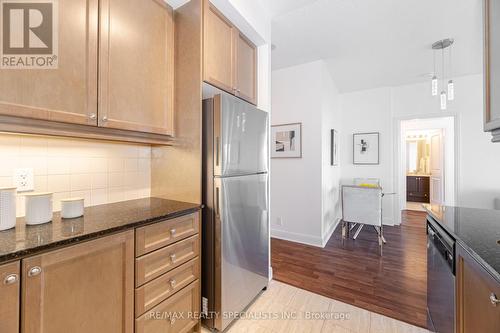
x=217, y=201
x=217, y=150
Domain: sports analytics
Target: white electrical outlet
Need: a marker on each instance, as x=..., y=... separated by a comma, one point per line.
x=279, y=221
x=24, y=180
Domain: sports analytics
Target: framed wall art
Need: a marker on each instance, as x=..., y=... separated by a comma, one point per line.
x=286, y=141
x=366, y=148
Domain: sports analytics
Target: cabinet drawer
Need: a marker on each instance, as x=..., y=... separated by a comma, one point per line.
x=179, y=313
x=156, y=291
x=158, y=235
x=163, y=260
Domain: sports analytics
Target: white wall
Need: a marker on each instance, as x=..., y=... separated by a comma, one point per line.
x=330, y=189
x=381, y=109
x=364, y=112
x=479, y=158
x=303, y=191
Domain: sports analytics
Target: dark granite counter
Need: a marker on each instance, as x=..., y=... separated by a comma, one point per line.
x=25, y=240
x=476, y=230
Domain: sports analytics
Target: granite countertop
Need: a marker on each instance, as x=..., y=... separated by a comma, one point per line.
x=25, y=240
x=476, y=230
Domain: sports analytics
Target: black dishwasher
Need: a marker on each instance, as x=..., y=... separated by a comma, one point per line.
x=440, y=279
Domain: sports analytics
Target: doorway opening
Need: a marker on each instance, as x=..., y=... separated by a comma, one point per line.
x=427, y=162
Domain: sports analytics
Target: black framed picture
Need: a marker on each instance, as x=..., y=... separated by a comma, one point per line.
x=366, y=148
x=334, y=147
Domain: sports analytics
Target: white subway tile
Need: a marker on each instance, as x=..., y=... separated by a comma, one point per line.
x=115, y=164
x=116, y=179
x=6, y=181
x=98, y=196
x=58, y=183
x=58, y=165
x=40, y=183
x=130, y=164
x=99, y=180
x=116, y=194
x=7, y=166
x=79, y=182
x=37, y=163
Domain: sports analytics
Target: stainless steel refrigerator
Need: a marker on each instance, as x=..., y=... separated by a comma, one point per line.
x=235, y=217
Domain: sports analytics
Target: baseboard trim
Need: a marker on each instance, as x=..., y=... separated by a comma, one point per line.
x=329, y=233
x=297, y=238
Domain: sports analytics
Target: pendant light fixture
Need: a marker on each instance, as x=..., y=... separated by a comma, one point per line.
x=434, y=81
x=451, y=86
x=448, y=89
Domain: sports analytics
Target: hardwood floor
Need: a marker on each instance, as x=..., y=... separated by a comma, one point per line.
x=394, y=285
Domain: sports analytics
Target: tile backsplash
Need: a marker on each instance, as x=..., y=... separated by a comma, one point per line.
x=101, y=172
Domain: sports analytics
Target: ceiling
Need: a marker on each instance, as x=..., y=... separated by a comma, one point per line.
x=374, y=43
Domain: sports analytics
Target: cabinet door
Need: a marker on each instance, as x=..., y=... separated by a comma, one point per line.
x=246, y=69
x=68, y=93
x=136, y=69
x=476, y=291
x=218, y=50
x=9, y=296
x=84, y=288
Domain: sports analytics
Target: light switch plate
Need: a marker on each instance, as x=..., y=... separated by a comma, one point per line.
x=24, y=180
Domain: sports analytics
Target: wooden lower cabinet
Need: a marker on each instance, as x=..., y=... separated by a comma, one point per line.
x=9, y=297
x=84, y=288
x=418, y=189
x=178, y=313
x=476, y=292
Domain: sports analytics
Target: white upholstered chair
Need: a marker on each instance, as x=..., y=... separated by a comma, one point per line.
x=362, y=205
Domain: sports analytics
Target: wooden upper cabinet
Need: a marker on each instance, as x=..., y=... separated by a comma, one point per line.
x=88, y=287
x=9, y=296
x=246, y=69
x=136, y=68
x=478, y=308
x=218, y=49
x=69, y=92
x=229, y=58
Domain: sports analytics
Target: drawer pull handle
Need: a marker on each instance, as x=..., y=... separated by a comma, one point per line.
x=34, y=271
x=494, y=300
x=173, y=283
x=172, y=258
x=172, y=232
x=11, y=279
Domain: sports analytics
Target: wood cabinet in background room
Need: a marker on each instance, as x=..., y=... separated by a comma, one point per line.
x=418, y=189
x=478, y=296
x=229, y=58
x=88, y=287
x=9, y=297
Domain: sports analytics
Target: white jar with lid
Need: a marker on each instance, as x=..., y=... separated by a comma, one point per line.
x=7, y=207
x=38, y=208
x=72, y=208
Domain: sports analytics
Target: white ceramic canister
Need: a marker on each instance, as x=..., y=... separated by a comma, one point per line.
x=72, y=207
x=38, y=208
x=7, y=208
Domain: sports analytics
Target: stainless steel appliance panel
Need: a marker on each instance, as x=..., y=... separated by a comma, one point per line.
x=241, y=137
x=242, y=210
x=440, y=279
